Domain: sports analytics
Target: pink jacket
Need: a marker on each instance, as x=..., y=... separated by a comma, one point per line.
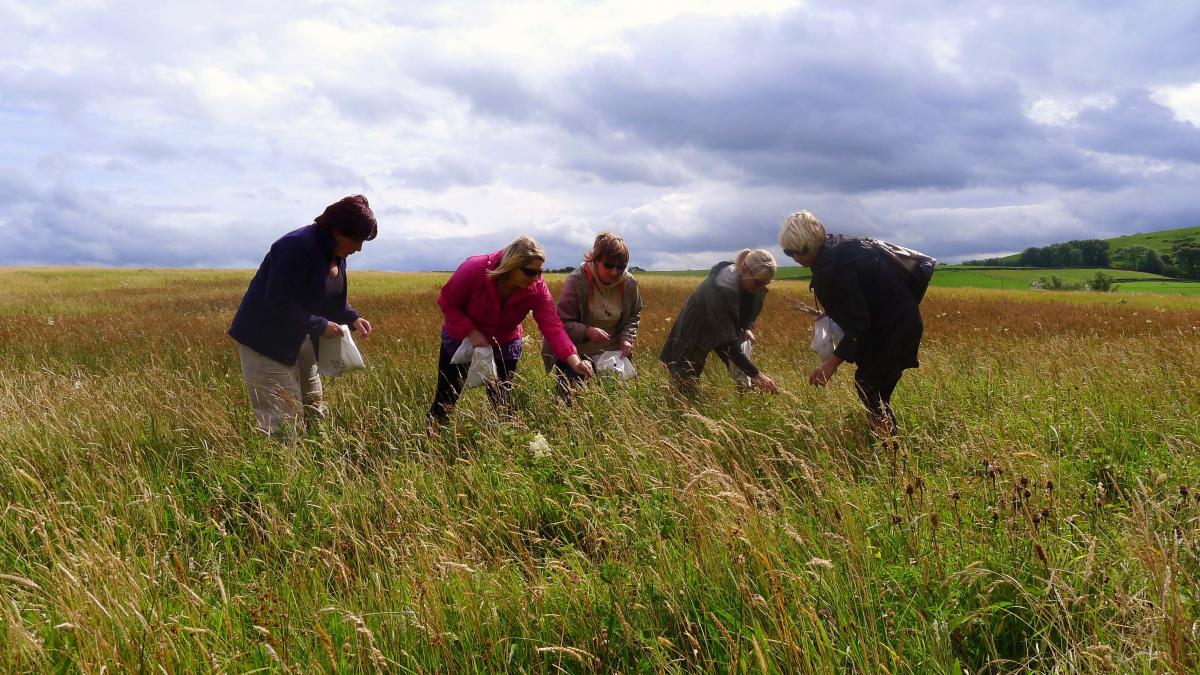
x=471, y=301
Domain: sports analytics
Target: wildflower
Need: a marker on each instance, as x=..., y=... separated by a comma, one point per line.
x=820, y=562
x=538, y=447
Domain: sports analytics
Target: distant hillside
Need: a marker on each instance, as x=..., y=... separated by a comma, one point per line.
x=1161, y=242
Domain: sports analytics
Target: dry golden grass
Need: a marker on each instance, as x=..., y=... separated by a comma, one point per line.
x=1041, y=512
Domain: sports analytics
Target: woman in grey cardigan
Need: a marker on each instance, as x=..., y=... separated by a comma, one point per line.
x=719, y=316
x=600, y=306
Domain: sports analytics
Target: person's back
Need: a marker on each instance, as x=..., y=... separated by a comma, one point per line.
x=883, y=286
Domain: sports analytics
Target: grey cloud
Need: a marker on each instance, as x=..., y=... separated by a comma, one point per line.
x=818, y=116
x=68, y=226
x=1138, y=126
x=371, y=103
x=333, y=175
x=426, y=213
x=441, y=173
x=622, y=165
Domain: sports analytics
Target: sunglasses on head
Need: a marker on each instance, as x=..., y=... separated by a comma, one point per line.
x=531, y=272
x=615, y=266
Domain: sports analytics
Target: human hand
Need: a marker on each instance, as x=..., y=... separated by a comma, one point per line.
x=626, y=348
x=764, y=383
x=821, y=376
x=363, y=327
x=332, y=330
x=581, y=366
x=597, y=334
x=478, y=339
x=749, y=335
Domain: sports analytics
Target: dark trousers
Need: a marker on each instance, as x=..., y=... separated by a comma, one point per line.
x=452, y=376
x=876, y=394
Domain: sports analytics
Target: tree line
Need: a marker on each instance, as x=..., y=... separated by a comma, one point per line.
x=1183, y=261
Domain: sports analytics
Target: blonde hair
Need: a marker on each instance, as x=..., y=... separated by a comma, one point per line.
x=518, y=254
x=609, y=248
x=802, y=232
x=757, y=262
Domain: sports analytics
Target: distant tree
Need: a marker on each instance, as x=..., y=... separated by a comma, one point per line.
x=1029, y=257
x=1139, y=258
x=1095, y=252
x=1186, y=259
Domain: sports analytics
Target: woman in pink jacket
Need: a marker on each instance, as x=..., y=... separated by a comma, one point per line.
x=485, y=301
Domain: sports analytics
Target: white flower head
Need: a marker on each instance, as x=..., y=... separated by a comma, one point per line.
x=538, y=447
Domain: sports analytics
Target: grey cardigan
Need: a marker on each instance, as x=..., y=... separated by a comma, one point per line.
x=573, y=308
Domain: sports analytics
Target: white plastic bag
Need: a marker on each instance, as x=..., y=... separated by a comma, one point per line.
x=826, y=336
x=463, y=354
x=338, y=355
x=483, y=367
x=612, y=360
x=741, y=379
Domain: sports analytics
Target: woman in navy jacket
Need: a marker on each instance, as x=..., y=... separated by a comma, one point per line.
x=298, y=295
x=869, y=298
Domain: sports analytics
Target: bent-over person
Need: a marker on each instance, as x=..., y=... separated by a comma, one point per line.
x=868, y=296
x=298, y=295
x=718, y=317
x=600, y=307
x=484, y=302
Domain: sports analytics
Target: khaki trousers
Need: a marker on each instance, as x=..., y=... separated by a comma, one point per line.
x=283, y=397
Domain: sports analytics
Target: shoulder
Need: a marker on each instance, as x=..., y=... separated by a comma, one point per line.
x=300, y=239
x=475, y=265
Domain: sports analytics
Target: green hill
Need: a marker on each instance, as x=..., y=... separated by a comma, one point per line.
x=1161, y=242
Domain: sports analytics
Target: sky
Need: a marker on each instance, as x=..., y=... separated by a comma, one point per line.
x=193, y=134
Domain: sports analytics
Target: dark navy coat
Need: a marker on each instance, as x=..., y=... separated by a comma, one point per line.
x=286, y=301
x=868, y=297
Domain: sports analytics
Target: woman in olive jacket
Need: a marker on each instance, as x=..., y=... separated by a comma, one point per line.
x=718, y=317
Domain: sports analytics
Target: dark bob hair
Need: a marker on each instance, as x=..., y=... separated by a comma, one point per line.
x=351, y=217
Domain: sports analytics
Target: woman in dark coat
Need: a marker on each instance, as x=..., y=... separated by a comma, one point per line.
x=298, y=295
x=718, y=317
x=865, y=292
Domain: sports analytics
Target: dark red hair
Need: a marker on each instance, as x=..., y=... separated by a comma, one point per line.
x=350, y=216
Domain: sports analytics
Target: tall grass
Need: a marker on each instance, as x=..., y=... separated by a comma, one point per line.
x=1041, y=512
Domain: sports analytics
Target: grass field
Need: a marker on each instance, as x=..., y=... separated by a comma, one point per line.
x=1043, y=512
x=958, y=276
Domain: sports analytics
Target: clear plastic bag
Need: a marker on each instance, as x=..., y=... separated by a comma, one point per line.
x=339, y=355
x=612, y=360
x=826, y=336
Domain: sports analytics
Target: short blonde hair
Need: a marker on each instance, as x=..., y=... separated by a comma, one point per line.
x=518, y=254
x=757, y=262
x=802, y=232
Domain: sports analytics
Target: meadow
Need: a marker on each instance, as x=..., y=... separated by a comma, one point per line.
x=1041, y=513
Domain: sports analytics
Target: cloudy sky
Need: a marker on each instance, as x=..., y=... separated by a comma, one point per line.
x=195, y=133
